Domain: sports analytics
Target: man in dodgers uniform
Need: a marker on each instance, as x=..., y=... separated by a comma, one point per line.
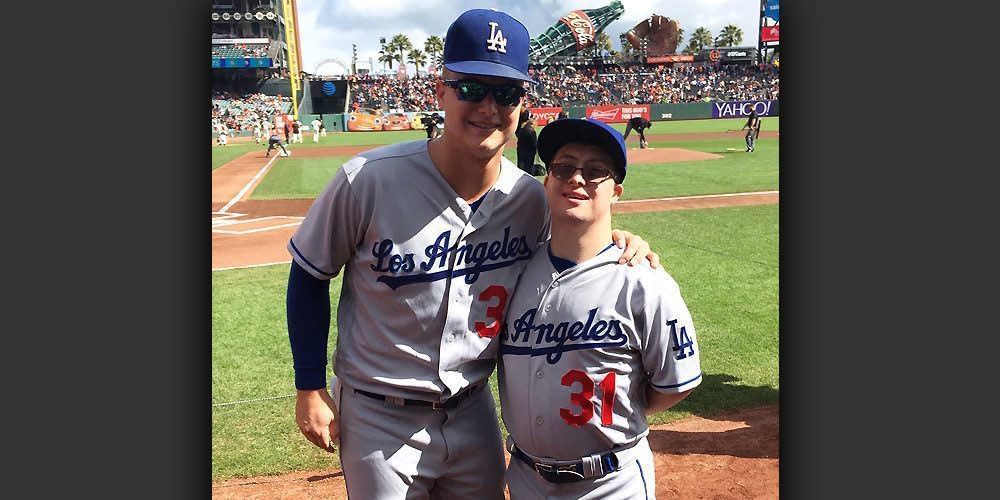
x=431, y=236
x=589, y=347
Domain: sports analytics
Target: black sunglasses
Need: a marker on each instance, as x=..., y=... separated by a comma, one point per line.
x=564, y=172
x=473, y=91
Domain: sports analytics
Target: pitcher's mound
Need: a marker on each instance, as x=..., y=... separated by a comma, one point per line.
x=666, y=155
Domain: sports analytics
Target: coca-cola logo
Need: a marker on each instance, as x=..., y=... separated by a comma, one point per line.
x=581, y=27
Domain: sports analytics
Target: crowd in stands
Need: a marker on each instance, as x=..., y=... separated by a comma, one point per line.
x=390, y=93
x=562, y=85
x=654, y=84
x=243, y=50
x=239, y=113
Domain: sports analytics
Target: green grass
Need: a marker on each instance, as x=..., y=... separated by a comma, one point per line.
x=224, y=154
x=738, y=171
x=725, y=260
x=298, y=177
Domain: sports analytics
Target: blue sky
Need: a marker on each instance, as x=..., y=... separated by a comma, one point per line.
x=327, y=28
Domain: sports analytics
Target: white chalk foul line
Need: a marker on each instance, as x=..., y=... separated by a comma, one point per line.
x=247, y=187
x=727, y=195
x=258, y=230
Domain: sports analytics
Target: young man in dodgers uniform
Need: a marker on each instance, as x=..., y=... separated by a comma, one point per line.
x=589, y=348
x=431, y=236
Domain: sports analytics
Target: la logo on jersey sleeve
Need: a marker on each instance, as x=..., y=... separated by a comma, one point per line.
x=683, y=345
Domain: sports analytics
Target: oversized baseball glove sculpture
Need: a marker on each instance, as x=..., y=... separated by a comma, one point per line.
x=659, y=32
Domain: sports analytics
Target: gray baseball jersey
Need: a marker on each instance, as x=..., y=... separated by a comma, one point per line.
x=426, y=280
x=579, y=348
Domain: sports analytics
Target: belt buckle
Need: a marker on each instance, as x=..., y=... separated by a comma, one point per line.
x=558, y=473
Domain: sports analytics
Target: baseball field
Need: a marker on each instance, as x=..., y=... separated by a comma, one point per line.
x=705, y=205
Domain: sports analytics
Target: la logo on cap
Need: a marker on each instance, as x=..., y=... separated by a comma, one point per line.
x=496, y=42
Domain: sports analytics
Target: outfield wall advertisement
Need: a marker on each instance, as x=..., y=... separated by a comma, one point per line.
x=542, y=116
x=618, y=113
x=740, y=109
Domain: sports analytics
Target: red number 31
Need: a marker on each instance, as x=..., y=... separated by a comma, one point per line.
x=582, y=398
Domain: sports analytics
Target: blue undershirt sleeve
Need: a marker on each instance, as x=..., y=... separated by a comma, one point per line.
x=308, y=313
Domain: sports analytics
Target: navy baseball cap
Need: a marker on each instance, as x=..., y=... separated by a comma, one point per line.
x=558, y=133
x=487, y=42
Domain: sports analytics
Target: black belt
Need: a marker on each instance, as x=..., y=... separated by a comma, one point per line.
x=570, y=472
x=448, y=404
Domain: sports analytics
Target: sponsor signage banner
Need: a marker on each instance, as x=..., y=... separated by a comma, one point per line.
x=741, y=109
x=542, y=116
x=737, y=54
x=770, y=22
x=670, y=58
x=769, y=33
x=581, y=26
x=617, y=114
x=370, y=120
x=238, y=41
x=241, y=62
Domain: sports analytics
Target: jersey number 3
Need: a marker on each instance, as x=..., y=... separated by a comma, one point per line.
x=582, y=398
x=494, y=313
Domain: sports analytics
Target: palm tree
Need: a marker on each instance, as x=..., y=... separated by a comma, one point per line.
x=602, y=43
x=700, y=39
x=680, y=35
x=730, y=36
x=401, y=43
x=386, y=57
x=417, y=58
x=434, y=47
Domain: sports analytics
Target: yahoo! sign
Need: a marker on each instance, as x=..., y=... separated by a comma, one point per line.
x=741, y=109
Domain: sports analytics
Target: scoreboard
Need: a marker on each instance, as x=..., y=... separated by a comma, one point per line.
x=328, y=96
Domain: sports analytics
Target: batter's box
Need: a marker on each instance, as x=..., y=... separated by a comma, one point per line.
x=250, y=226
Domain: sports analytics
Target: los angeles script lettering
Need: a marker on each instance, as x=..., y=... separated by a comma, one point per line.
x=439, y=253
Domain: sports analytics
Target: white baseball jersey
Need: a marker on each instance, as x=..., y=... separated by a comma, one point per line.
x=426, y=280
x=315, y=124
x=579, y=347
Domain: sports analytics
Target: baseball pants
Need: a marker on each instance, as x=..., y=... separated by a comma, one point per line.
x=635, y=480
x=315, y=136
x=751, y=140
x=404, y=452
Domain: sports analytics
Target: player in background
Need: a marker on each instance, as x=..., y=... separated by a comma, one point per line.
x=223, y=133
x=316, y=126
x=322, y=127
x=527, y=143
x=431, y=236
x=274, y=142
x=257, y=134
x=589, y=348
x=639, y=124
x=267, y=126
x=297, y=131
x=753, y=130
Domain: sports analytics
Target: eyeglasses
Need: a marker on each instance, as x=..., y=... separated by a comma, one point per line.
x=473, y=91
x=565, y=172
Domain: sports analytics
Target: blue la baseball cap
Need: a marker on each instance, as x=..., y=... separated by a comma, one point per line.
x=558, y=133
x=487, y=42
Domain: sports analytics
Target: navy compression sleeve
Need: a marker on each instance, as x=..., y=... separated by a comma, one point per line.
x=308, y=312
